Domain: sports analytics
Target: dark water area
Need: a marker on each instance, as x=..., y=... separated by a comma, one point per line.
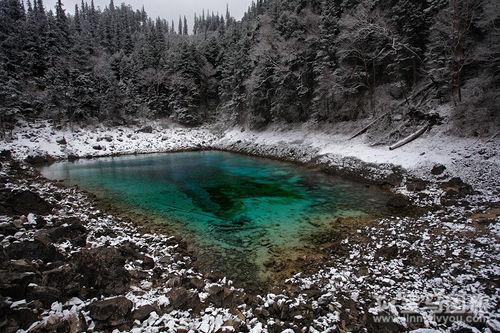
x=242, y=209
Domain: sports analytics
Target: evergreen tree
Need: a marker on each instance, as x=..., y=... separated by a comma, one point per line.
x=286, y=60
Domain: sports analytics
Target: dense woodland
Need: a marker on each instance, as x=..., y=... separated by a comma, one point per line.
x=289, y=61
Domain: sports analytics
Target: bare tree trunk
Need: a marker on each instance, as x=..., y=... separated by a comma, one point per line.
x=463, y=13
x=414, y=73
x=373, y=88
x=410, y=138
x=362, y=131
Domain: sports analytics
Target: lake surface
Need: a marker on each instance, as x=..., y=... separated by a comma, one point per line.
x=244, y=209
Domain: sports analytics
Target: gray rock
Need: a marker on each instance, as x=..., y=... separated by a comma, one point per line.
x=61, y=141
x=438, y=169
x=143, y=312
x=146, y=129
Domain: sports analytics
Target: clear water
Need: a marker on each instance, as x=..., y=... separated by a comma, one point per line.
x=243, y=208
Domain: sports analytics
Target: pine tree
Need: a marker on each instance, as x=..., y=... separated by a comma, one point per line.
x=228, y=15
x=62, y=27
x=185, y=28
x=76, y=20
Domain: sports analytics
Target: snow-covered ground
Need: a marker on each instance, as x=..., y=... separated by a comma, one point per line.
x=405, y=268
x=471, y=159
x=475, y=161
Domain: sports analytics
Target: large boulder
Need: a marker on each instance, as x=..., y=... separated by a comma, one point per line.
x=75, y=232
x=416, y=185
x=20, y=318
x=112, y=313
x=225, y=297
x=90, y=273
x=64, y=278
x=102, y=271
x=183, y=299
x=454, y=190
x=8, y=229
x=33, y=250
x=46, y=295
x=23, y=203
x=72, y=323
x=143, y=312
x=457, y=187
x=14, y=284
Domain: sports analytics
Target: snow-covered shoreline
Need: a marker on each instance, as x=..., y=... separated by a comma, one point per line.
x=392, y=267
x=475, y=161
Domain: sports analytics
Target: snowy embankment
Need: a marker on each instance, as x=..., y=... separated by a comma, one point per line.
x=475, y=161
x=405, y=269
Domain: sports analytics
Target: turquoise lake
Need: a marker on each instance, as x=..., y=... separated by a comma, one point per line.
x=244, y=209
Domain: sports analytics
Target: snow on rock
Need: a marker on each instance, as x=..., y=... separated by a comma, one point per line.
x=41, y=139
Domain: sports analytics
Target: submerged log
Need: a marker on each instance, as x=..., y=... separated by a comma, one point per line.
x=409, y=138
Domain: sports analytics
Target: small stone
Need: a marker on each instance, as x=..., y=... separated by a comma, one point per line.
x=182, y=329
x=197, y=283
x=174, y=282
x=416, y=185
x=61, y=141
x=146, y=129
x=18, y=223
x=148, y=262
x=438, y=169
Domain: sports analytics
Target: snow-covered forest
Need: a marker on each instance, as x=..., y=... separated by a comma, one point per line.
x=285, y=61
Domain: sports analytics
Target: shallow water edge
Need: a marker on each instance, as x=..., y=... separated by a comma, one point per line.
x=283, y=262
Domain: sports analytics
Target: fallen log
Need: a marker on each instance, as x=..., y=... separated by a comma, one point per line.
x=409, y=138
x=492, y=137
x=367, y=127
x=412, y=97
